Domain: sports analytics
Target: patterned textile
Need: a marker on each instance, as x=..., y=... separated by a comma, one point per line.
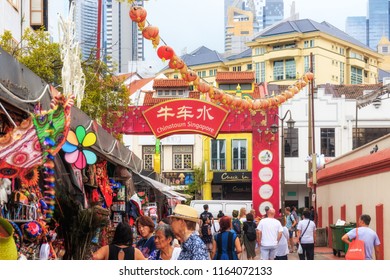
x=102, y=182
x=19, y=150
x=193, y=249
x=146, y=246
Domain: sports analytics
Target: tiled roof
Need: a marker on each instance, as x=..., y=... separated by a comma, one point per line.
x=200, y=56
x=350, y=91
x=151, y=101
x=244, y=54
x=169, y=83
x=307, y=26
x=235, y=76
x=124, y=77
x=138, y=84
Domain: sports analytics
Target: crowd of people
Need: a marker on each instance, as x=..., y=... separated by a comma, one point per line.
x=186, y=236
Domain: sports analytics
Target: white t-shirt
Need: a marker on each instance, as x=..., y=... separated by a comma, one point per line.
x=282, y=249
x=308, y=235
x=270, y=228
x=175, y=253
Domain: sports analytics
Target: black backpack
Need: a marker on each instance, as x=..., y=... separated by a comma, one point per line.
x=251, y=231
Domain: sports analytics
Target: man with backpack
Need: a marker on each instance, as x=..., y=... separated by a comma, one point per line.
x=206, y=215
x=291, y=224
x=249, y=236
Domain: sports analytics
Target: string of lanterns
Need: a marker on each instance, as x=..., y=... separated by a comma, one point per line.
x=138, y=14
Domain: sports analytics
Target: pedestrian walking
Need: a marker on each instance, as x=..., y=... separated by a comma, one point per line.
x=249, y=236
x=163, y=239
x=184, y=220
x=306, y=236
x=369, y=236
x=205, y=234
x=282, y=249
x=226, y=244
x=269, y=232
x=291, y=224
x=121, y=246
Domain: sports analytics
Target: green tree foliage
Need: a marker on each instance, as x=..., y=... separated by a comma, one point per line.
x=195, y=187
x=105, y=98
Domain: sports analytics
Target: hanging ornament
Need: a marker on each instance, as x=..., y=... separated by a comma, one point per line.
x=29, y=178
x=138, y=14
x=152, y=33
x=74, y=148
x=203, y=87
x=165, y=53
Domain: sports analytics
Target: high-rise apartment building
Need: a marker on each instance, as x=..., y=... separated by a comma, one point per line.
x=357, y=27
x=245, y=18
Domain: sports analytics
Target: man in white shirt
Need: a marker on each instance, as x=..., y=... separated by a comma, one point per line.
x=269, y=232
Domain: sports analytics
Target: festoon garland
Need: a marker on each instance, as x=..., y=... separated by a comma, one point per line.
x=138, y=14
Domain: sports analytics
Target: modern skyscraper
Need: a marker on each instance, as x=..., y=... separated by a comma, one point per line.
x=122, y=40
x=357, y=28
x=245, y=18
x=86, y=18
x=378, y=16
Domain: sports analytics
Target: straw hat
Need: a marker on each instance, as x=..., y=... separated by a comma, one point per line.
x=185, y=212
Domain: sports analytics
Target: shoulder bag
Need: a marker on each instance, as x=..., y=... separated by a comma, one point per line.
x=356, y=249
x=300, y=249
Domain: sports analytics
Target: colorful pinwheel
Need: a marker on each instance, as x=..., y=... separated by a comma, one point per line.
x=74, y=147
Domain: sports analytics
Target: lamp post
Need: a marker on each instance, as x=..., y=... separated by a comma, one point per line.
x=274, y=129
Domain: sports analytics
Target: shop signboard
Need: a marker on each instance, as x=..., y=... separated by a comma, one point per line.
x=183, y=116
x=231, y=177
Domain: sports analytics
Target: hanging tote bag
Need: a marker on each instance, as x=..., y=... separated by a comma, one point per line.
x=356, y=249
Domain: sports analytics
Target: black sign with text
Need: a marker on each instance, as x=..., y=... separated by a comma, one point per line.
x=232, y=177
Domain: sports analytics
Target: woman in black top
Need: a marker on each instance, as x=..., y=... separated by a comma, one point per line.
x=120, y=247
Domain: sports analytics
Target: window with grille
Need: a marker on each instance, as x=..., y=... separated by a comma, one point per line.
x=356, y=75
x=148, y=157
x=239, y=155
x=365, y=135
x=182, y=157
x=218, y=155
x=291, y=142
x=328, y=142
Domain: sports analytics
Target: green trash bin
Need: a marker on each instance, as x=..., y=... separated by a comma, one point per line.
x=338, y=245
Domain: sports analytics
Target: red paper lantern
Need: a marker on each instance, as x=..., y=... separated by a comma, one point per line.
x=150, y=32
x=310, y=76
x=165, y=52
x=190, y=76
x=137, y=14
x=176, y=63
x=256, y=104
x=203, y=87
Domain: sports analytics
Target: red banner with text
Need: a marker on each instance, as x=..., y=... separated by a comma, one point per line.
x=185, y=116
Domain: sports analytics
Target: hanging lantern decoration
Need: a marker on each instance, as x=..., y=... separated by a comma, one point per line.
x=138, y=14
x=74, y=148
x=176, y=63
x=165, y=53
x=190, y=76
x=152, y=33
x=203, y=87
x=309, y=76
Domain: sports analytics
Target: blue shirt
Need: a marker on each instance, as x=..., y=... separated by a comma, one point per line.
x=369, y=237
x=193, y=249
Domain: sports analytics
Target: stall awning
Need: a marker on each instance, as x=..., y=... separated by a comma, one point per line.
x=165, y=189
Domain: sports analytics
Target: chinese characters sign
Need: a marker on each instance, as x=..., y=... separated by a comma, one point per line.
x=184, y=116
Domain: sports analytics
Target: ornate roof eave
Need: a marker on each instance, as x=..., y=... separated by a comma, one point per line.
x=367, y=99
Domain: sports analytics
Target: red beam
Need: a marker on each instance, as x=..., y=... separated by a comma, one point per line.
x=359, y=212
x=330, y=222
x=380, y=229
x=343, y=212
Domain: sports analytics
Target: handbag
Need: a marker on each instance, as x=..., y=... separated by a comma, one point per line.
x=356, y=249
x=300, y=249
